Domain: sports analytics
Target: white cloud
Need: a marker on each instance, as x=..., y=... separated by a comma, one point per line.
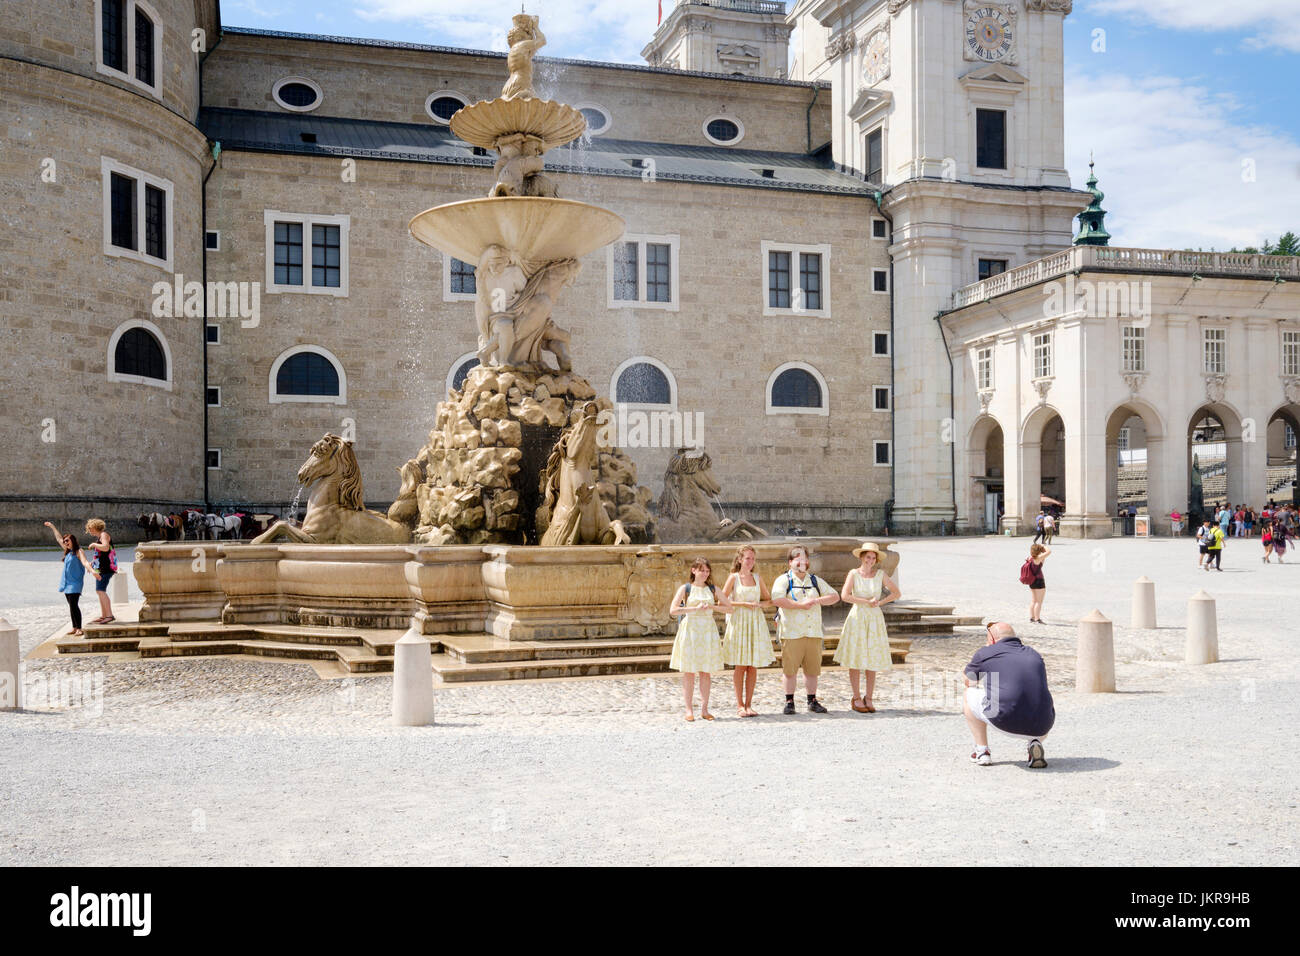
x=1170, y=158
x=609, y=30
x=1273, y=23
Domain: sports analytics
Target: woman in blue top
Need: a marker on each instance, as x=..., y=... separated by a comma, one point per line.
x=75, y=567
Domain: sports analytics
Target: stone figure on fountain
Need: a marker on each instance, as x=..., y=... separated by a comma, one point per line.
x=686, y=506
x=525, y=39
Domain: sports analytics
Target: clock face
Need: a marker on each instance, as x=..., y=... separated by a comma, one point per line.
x=988, y=33
x=875, y=58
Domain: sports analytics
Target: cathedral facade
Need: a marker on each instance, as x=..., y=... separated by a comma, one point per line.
x=810, y=192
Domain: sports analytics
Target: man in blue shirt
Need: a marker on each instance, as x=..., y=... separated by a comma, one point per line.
x=1006, y=687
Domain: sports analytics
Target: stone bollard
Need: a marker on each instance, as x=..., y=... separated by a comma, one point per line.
x=10, y=668
x=412, y=681
x=1202, y=630
x=1095, y=670
x=1144, y=603
x=117, y=588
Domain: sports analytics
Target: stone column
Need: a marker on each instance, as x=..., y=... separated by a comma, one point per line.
x=11, y=683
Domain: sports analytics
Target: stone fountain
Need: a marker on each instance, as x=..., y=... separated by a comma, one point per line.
x=513, y=455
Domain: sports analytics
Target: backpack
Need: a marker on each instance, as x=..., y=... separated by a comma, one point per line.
x=99, y=556
x=1027, y=571
x=812, y=577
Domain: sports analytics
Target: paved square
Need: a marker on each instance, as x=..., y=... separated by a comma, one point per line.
x=233, y=761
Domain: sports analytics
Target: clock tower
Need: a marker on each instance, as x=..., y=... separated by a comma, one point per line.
x=954, y=110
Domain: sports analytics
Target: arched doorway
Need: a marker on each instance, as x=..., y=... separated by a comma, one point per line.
x=1135, y=469
x=1282, y=481
x=987, y=476
x=1042, y=462
x=1214, y=460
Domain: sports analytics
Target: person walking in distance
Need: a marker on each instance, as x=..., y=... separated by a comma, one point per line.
x=801, y=596
x=1031, y=573
x=1214, y=549
x=1203, y=536
x=1038, y=525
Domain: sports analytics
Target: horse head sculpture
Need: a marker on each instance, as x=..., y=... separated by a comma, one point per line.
x=330, y=456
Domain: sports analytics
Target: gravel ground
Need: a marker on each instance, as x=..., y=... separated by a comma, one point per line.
x=237, y=761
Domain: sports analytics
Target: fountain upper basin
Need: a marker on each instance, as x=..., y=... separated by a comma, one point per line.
x=535, y=228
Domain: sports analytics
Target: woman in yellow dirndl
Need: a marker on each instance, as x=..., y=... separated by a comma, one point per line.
x=747, y=644
x=864, y=641
x=697, y=649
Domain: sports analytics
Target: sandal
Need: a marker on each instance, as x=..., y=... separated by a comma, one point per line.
x=690, y=717
x=707, y=716
x=870, y=709
x=108, y=620
x=860, y=706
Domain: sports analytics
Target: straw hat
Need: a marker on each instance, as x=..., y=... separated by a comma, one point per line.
x=869, y=546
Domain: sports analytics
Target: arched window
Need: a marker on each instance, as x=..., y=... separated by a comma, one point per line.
x=797, y=388
x=642, y=380
x=643, y=384
x=138, y=353
x=461, y=370
x=308, y=373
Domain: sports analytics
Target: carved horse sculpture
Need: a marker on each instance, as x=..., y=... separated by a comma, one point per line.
x=336, y=512
x=686, y=505
x=571, y=511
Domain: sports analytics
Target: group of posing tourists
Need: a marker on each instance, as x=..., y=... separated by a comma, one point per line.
x=1006, y=681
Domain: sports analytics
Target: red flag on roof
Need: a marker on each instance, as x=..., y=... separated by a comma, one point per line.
x=661, y=11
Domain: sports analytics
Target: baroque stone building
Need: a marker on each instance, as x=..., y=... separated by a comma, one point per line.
x=208, y=263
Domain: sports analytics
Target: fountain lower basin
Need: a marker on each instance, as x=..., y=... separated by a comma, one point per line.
x=535, y=228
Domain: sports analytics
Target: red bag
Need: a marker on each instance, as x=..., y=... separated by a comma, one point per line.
x=1027, y=571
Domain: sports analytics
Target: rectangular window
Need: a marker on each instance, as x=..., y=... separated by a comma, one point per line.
x=879, y=229
x=306, y=252
x=144, y=66
x=214, y=334
x=882, y=452
x=880, y=343
x=288, y=253
x=113, y=30
x=1134, y=346
x=778, y=280
x=1289, y=436
x=991, y=139
x=796, y=278
x=1043, y=355
x=212, y=240
x=325, y=260
x=643, y=272
x=214, y=459
x=1216, y=351
x=1291, y=353
x=155, y=222
x=881, y=396
x=137, y=214
x=658, y=272
x=122, y=201
x=984, y=367
x=462, y=278
x=991, y=267
x=214, y=396
x=879, y=280
x=1122, y=441
x=810, y=280
x=876, y=156
x=626, y=280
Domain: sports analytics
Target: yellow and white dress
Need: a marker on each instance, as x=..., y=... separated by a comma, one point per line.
x=747, y=642
x=697, y=649
x=864, y=642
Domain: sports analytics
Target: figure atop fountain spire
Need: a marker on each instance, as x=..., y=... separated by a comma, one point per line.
x=525, y=39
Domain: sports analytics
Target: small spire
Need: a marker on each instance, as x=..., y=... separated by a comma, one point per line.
x=1092, y=221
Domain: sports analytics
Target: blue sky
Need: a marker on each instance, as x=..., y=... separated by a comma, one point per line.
x=1191, y=107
